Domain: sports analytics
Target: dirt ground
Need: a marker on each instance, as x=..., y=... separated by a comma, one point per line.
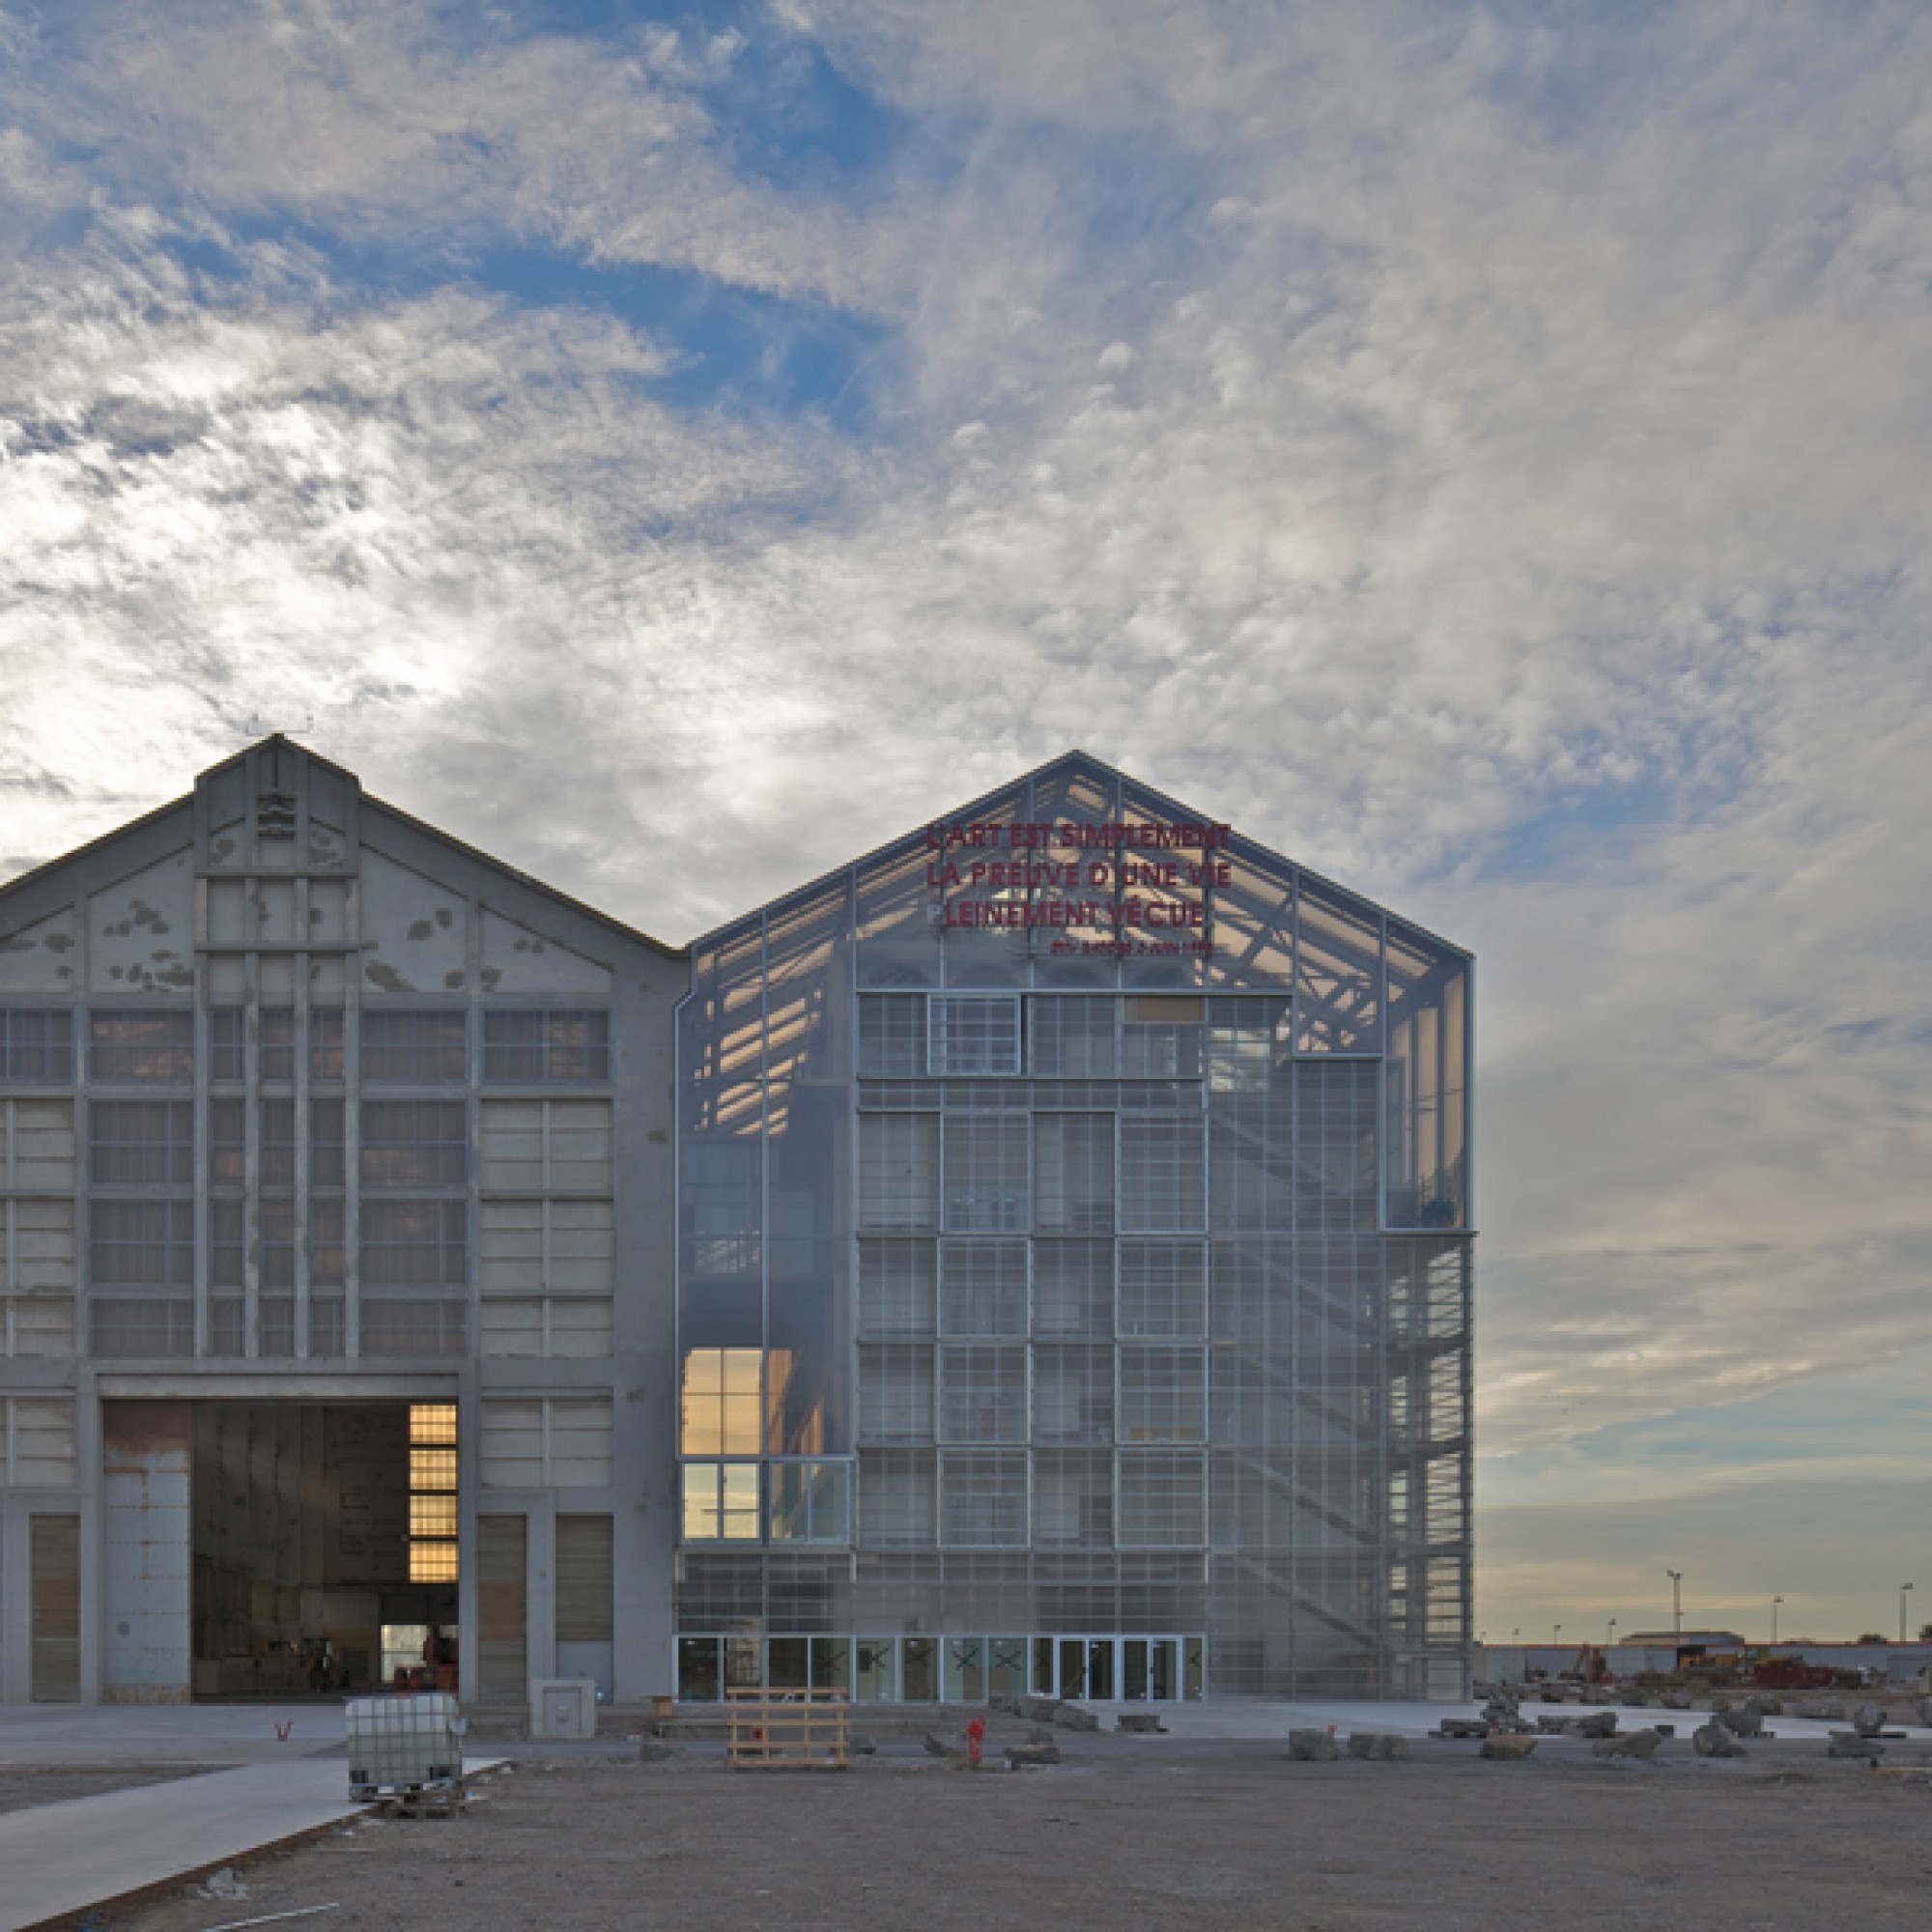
x=1128, y=1832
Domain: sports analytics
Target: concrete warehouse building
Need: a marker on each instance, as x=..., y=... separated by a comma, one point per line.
x=1036, y=1256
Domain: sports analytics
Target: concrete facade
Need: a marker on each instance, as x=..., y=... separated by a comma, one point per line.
x=265, y=1032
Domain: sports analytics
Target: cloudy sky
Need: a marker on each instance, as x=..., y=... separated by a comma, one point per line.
x=1482, y=451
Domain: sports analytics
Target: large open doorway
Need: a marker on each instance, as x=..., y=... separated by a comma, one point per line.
x=323, y=1540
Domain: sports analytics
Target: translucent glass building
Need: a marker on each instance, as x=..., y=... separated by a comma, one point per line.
x=1074, y=1271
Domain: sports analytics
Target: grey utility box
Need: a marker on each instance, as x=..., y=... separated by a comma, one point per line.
x=402, y=1743
x=564, y=1707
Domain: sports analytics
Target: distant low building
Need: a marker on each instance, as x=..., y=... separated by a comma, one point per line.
x=1686, y=1643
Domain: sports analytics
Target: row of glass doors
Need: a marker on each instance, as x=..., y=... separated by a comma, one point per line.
x=1130, y=1669
x=949, y=1670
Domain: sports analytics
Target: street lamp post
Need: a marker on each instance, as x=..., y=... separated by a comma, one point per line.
x=1903, y=1588
x=1774, y=1602
x=1676, y=1601
x=1611, y=1633
x=1555, y=1636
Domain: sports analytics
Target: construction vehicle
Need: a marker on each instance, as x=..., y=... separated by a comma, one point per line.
x=1792, y=1673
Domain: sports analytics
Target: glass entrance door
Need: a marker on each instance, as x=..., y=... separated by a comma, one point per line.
x=1100, y=1674
x=1072, y=1668
x=1164, y=1669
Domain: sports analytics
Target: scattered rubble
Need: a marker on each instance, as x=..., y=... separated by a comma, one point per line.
x=1379, y=1746
x=1507, y=1748
x=1044, y=1752
x=1717, y=1740
x=1592, y=1725
x=1748, y=1723
x=1640, y=1744
x=1849, y=1744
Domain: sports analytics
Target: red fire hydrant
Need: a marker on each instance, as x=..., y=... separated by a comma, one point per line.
x=975, y=1736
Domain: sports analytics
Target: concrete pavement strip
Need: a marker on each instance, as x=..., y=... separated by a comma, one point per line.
x=58, y=1859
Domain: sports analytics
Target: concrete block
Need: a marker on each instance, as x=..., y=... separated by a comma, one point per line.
x=1508, y=1749
x=1139, y=1722
x=1313, y=1747
x=1715, y=1739
x=1640, y=1744
x=1380, y=1746
x=1021, y=1755
x=1849, y=1744
x=1071, y=1718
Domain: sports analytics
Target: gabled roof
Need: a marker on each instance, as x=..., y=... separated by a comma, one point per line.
x=1069, y=764
x=280, y=740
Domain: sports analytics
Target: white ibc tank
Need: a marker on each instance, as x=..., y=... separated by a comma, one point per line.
x=397, y=1743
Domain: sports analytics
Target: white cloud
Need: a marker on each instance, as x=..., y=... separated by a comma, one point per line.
x=398, y=122
x=1402, y=436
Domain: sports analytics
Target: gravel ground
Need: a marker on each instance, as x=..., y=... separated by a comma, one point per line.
x=1155, y=1832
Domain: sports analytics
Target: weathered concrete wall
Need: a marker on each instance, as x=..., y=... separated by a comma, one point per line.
x=38, y=958
x=280, y=886
x=518, y=960
x=146, y=1556
x=141, y=931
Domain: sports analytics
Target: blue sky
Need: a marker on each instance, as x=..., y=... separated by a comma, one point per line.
x=1482, y=451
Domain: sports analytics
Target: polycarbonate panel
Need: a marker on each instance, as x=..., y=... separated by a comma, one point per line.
x=1083, y=798
x=1074, y=1393
x=1426, y=1083
x=1075, y=1036
x=899, y=1282
x=1098, y=1144
x=1073, y=1289
x=1073, y=1174
x=1073, y=1499
x=982, y=1287
x=1338, y=981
